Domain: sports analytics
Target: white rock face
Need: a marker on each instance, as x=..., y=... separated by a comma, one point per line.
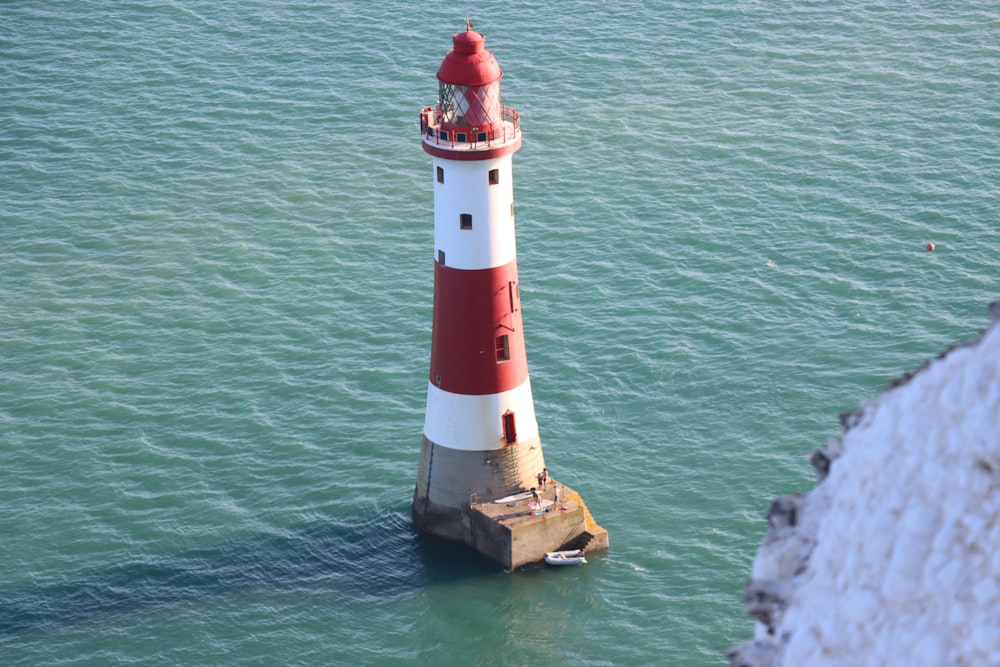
x=894, y=557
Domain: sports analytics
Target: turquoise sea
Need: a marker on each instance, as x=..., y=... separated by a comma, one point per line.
x=216, y=272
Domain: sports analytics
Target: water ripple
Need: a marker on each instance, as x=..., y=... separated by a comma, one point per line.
x=216, y=305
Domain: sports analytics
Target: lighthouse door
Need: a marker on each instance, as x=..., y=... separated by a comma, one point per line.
x=509, y=432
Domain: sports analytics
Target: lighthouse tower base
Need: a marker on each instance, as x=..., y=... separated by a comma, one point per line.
x=512, y=533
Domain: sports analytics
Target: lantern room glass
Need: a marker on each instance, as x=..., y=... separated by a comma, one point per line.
x=470, y=106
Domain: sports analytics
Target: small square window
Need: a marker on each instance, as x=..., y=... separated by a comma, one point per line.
x=441, y=257
x=481, y=136
x=465, y=220
x=440, y=173
x=494, y=176
x=503, y=348
x=460, y=137
x=443, y=134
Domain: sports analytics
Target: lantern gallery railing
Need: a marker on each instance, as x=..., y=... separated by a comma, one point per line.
x=499, y=133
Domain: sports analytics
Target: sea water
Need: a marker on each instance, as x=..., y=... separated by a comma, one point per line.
x=216, y=292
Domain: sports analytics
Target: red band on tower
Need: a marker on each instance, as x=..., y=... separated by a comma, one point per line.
x=477, y=343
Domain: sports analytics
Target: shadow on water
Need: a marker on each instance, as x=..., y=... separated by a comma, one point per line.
x=368, y=559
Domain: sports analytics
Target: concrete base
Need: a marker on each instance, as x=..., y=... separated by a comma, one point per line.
x=513, y=534
x=449, y=481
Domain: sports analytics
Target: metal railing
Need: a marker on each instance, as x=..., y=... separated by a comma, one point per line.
x=500, y=133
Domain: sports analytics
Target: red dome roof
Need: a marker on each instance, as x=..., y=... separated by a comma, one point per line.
x=469, y=63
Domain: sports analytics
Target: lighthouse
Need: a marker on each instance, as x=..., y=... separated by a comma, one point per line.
x=481, y=443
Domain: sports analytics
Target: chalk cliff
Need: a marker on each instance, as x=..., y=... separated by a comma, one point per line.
x=894, y=557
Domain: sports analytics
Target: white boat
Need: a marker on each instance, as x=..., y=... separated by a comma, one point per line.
x=574, y=557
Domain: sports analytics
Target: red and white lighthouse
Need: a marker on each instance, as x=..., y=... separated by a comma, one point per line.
x=480, y=434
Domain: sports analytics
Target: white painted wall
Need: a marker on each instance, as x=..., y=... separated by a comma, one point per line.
x=466, y=189
x=473, y=423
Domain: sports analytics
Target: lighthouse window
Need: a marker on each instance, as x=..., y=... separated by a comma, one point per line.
x=494, y=176
x=503, y=348
x=443, y=134
x=460, y=137
x=440, y=173
x=481, y=136
x=465, y=220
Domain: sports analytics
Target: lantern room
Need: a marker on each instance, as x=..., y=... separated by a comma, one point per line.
x=470, y=109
